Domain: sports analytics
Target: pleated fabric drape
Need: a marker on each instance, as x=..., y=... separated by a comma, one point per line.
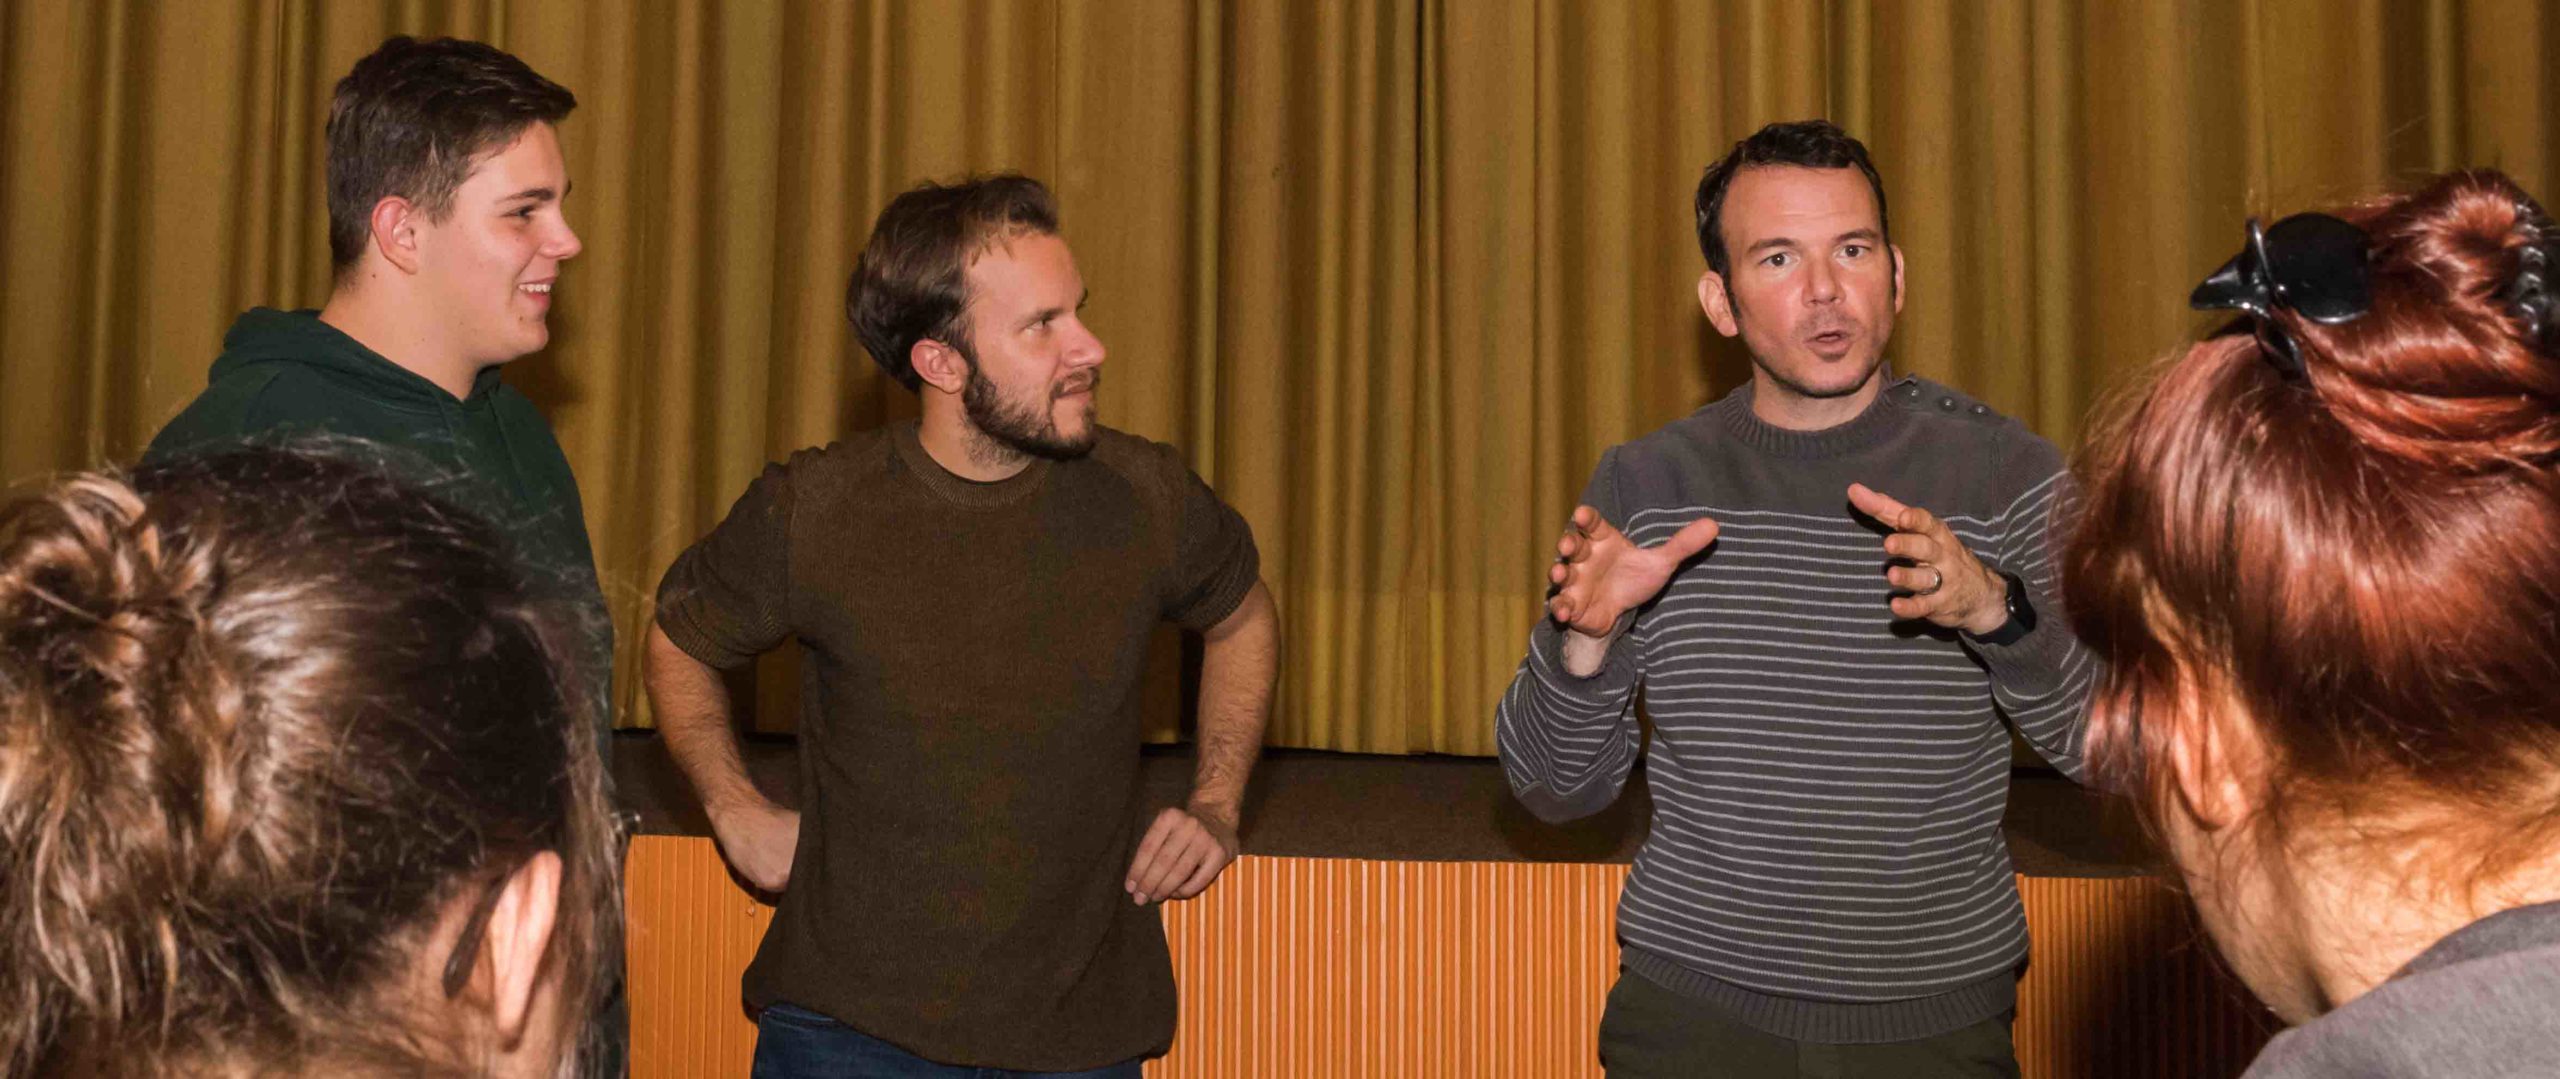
x=1391, y=272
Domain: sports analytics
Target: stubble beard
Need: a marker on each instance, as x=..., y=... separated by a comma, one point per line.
x=1006, y=432
x=1794, y=386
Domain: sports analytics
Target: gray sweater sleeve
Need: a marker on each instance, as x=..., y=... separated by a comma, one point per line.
x=2041, y=681
x=1567, y=743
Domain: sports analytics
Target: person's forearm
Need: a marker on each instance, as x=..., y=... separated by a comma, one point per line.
x=692, y=708
x=1239, y=666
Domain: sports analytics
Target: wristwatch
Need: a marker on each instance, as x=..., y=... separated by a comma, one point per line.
x=2022, y=614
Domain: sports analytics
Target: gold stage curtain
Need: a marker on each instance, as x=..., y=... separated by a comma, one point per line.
x=1392, y=272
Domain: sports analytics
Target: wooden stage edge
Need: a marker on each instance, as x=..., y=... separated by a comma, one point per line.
x=1319, y=966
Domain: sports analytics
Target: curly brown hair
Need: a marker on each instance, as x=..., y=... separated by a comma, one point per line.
x=266, y=715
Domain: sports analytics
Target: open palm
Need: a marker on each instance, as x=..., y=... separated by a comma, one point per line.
x=1600, y=574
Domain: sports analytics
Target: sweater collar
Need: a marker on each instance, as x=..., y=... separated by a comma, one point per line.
x=1867, y=429
x=956, y=490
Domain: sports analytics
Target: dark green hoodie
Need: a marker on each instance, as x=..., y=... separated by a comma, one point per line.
x=288, y=374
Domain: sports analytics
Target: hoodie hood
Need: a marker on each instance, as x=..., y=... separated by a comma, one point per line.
x=264, y=337
x=286, y=374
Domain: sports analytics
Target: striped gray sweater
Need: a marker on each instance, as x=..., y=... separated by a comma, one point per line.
x=1825, y=861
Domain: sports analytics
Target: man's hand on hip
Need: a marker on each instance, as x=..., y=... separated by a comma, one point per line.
x=760, y=842
x=1947, y=584
x=1182, y=852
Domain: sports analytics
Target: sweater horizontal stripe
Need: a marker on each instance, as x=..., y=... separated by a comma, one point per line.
x=1826, y=859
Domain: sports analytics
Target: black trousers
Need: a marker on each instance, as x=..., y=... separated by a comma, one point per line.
x=1650, y=1031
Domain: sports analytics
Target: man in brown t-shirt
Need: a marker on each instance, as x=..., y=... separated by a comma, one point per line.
x=967, y=883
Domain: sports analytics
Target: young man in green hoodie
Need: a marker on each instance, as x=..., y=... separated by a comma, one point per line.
x=446, y=232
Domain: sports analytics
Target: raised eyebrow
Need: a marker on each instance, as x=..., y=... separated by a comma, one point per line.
x=1772, y=242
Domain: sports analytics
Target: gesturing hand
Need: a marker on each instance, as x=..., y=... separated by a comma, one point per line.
x=1600, y=574
x=1948, y=585
x=1182, y=852
x=761, y=842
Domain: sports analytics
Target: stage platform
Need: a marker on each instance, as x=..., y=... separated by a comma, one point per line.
x=1403, y=916
x=1313, y=804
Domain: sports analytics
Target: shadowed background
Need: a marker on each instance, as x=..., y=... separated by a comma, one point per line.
x=1392, y=273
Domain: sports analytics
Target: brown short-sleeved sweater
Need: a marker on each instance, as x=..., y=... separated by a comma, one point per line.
x=969, y=732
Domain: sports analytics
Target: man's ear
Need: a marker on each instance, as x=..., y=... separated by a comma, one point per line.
x=395, y=224
x=1897, y=278
x=2216, y=760
x=1717, y=303
x=520, y=932
x=939, y=365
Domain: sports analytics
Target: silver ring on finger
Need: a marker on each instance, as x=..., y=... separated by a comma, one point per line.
x=1936, y=580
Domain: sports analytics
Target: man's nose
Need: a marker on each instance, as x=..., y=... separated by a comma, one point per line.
x=565, y=245
x=1084, y=349
x=1822, y=282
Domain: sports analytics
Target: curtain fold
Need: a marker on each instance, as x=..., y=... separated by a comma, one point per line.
x=1391, y=272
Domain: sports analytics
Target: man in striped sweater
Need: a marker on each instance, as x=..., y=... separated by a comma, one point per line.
x=1825, y=662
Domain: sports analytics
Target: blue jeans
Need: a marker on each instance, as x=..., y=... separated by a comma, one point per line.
x=796, y=1043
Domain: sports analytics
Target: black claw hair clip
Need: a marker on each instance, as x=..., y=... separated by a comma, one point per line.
x=2531, y=296
x=2310, y=264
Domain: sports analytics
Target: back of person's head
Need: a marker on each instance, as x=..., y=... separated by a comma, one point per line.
x=287, y=764
x=2359, y=561
x=410, y=121
x=1806, y=144
x=911, y=283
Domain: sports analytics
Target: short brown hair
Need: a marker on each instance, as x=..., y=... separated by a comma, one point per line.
x=1810, y=144
x=411, y=118
x=264, y=715
x=2362, y=558
x=911, y=283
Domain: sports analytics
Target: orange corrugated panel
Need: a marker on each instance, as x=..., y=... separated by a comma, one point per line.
x=1326, y=967
x=2123, y=983
x=691, y=932
x=1332, y=967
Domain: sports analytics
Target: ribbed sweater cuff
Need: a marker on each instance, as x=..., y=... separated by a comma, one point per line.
x=1834, y=1022
x=2032, y=666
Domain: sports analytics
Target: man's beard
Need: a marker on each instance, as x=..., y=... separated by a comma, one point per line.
x=1019, y=428
x=1811, y=392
